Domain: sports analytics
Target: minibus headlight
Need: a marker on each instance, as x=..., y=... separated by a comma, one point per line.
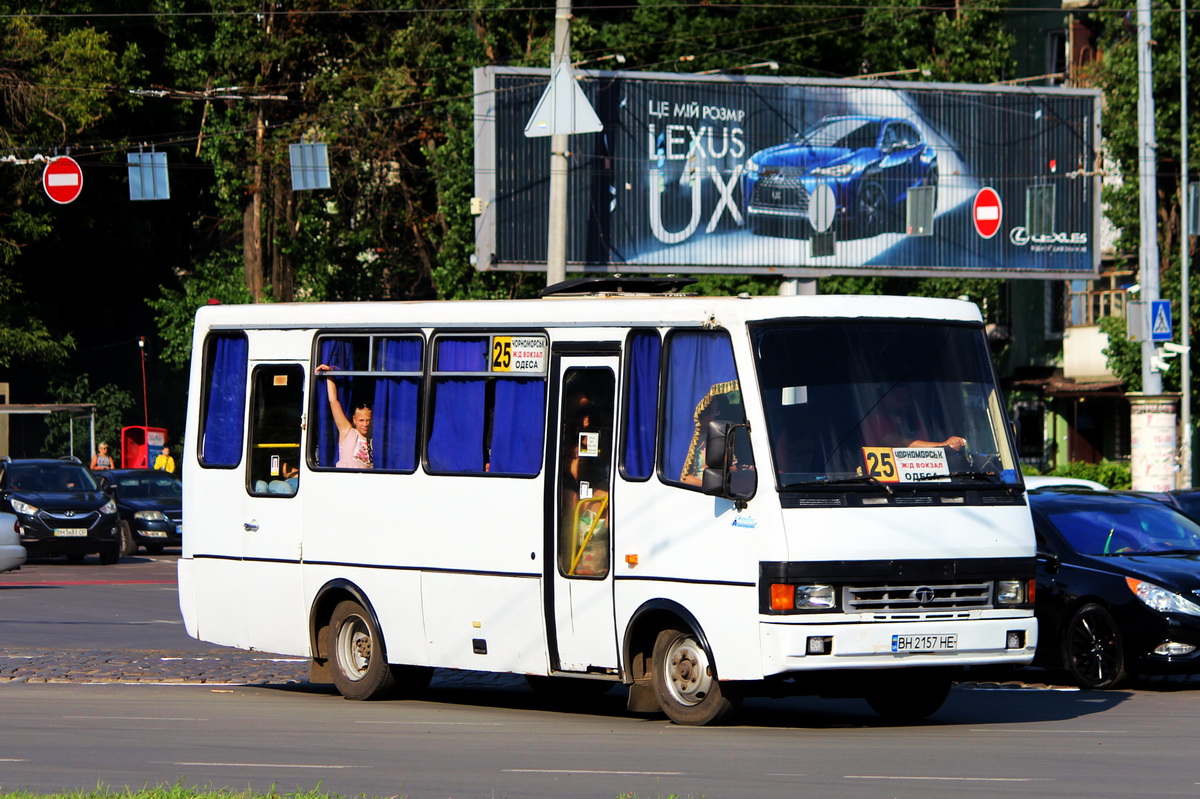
x=815, y=597
x=1010, y=592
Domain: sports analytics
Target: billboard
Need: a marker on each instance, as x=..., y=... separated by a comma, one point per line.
x=795, y=177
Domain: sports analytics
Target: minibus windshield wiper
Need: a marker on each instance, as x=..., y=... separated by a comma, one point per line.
x=836, y=481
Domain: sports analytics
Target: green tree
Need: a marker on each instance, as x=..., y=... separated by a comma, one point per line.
x=111, y=404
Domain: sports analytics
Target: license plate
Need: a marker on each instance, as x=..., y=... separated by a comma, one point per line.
x=71, y=532
x=925, y=643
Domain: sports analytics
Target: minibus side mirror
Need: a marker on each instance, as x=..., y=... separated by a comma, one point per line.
x=722, y=477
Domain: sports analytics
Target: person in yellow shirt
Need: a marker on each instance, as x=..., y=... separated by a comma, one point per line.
x=164, y=462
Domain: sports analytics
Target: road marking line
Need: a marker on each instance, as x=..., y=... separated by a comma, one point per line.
x=1060, y=732
x=439, y=723
x=136, y=718
x=13, y=760
x=265, y=765
x=586, y=771
x=946, y=779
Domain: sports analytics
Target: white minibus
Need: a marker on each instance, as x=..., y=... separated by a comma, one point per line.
x=700, y=498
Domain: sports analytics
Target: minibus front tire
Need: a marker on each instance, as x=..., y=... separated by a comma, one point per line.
x=685, y=681
x=357, y=661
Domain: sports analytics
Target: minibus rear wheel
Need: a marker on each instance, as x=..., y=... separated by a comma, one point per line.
x=356, y=658
x=685, y=681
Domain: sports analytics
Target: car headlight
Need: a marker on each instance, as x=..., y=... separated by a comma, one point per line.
x=839, y=171
x=150, y=515
x=108, y=507
x=23, y=507
x=1161, y=599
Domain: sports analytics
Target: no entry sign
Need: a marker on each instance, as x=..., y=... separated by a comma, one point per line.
x=987, y=212
x=62, y=179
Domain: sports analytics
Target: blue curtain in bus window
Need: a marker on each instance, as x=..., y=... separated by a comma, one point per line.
x=456, y=439
x=699, y=368
x=394, y=428
x=641, y=412
x=224, y=418
x=518, y=426
x=338, y=354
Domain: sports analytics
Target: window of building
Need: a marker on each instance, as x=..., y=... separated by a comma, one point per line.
x=223, y=406
x=488, y=404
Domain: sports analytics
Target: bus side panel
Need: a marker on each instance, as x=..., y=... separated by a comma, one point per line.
x=394, y=595
x=476, y=542
x=220, y=612
x=485, y=623
x=690, y=552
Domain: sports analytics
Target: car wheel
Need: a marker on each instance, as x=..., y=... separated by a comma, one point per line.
x=128, y=545
x=1092, y=650
x=111, y=555
x=356, y=657
x=912, y=697
x=685, y=682
x=871, y=212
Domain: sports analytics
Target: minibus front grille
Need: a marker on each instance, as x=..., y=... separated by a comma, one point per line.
x=919, y=598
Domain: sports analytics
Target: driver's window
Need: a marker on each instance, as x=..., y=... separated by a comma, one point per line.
x=276, y=405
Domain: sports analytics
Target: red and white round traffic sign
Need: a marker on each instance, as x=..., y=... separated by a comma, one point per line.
x=986, y=212
x=62, y=179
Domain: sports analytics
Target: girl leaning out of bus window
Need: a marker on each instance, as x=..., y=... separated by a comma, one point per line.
x=354, y=432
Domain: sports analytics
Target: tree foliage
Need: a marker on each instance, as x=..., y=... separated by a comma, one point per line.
x=111, y=404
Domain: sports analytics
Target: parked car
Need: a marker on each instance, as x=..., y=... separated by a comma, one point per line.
x=1037, y=482
x=150, y=504
x=1118, y=586
x=60, y=509
x=853, y=171
x=12, y=554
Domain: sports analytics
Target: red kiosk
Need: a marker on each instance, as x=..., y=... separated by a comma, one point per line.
x=140, y=446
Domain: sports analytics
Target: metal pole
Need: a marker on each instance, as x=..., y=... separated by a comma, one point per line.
x=145, y=403
x=1185, y=337
x=556, y=245
x=1148, y=251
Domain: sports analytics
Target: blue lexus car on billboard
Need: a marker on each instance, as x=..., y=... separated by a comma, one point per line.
x=849, y=173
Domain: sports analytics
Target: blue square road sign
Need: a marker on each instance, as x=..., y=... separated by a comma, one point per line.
x=1160, y=320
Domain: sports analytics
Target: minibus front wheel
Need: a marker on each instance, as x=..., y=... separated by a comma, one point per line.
x=685, y=681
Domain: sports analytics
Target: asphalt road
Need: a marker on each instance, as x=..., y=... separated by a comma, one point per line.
x=473, y=736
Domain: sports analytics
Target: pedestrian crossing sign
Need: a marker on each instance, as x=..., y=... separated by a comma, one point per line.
x=1160, y=320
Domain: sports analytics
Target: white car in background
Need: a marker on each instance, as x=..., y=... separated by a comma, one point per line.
x=12, y=554
x=1036, y=481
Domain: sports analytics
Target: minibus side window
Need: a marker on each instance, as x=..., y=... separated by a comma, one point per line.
x=702, y=386
x=643, y=352
x=375, y=375
x=277, y=404
x=491, y=423
x=224, y=404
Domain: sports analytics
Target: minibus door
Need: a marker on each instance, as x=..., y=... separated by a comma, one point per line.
x=582, y=631
x=271, y=522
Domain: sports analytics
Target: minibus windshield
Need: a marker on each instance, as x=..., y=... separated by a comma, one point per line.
x=872, y=402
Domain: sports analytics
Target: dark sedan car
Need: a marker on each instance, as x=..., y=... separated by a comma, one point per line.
x=60, y=509
x=848, y=172
x=151, y=506
x=1118, y=586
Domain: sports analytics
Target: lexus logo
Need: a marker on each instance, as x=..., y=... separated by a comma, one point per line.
x=923, y=595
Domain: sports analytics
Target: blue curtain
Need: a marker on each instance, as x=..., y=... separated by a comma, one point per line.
x=224, y=418
x=338, y=354
x=456, y=438
x=518, y=426
x=700, y=365
x=394, y=416
x=644, y=351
